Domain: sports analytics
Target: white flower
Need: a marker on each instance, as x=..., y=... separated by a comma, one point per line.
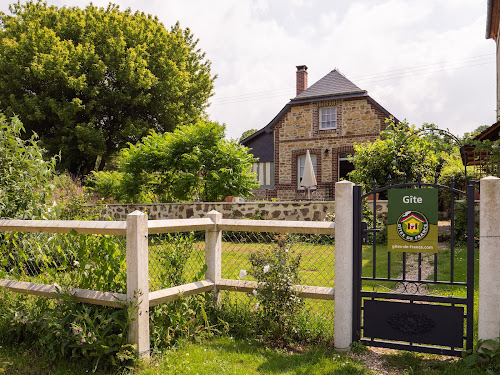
x=243, y=273
x=266, y=268
x=87, y=266
x=254, y=292
x=257, y=306
x=76, y=263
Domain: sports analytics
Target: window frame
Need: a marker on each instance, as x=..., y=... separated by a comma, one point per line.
x=322, y=124
x=343, y=157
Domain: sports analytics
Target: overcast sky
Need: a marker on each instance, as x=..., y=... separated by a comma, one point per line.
x=423, y=60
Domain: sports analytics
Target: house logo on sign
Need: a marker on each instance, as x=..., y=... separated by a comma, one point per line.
x=412, y=226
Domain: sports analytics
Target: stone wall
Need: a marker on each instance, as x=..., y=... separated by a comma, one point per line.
x=308, y=211
x=297, y=210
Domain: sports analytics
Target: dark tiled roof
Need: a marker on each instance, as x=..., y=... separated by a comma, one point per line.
x=334, y=83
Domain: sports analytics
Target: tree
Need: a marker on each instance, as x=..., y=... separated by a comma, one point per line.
x=401, y=150
x=247, y=133
x=193, y=162
x=25, y=176
x=90, y=80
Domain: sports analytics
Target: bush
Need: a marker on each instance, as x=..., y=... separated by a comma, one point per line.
x=460, y=225
x=66, y=328
x=276, y=270
x=452, y=172
x=26, y=178
x=73, y=199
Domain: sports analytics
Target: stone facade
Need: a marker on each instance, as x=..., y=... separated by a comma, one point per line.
x=358, y=120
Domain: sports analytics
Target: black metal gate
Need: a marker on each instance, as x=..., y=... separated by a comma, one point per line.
x=396, y=305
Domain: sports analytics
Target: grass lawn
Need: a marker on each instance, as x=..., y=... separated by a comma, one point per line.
x=227, y=356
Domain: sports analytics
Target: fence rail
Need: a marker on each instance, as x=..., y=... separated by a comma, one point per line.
x=139, y=271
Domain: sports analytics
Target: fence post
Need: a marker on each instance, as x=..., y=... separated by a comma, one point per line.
x=343, y=264
x=137, y=280
x=489, y=264
x=213, y=251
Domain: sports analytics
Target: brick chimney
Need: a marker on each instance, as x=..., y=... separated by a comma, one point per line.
x=301, y=78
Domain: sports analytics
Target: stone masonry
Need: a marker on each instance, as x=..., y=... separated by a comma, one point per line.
x=296, y=210
x=358, y=120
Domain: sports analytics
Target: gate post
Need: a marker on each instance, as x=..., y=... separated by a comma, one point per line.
x=489, y=264
x=137, y=280
x=343, y=264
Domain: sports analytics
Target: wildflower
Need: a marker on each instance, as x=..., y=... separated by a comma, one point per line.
x=76, y=263
x=257, y=306
x=243, y=273
x=87, y=266
x=83, y=341
x=266, y=268
x=75, y=331
x=89, y=334
x=254, y=292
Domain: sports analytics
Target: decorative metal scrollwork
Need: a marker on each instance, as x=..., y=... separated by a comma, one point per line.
x=411, y=323
x=406, y=287
x=412, y=287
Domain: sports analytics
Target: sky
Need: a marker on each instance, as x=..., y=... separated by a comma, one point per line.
x=425, y=61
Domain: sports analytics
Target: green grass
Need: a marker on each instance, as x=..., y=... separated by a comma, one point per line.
x=227, y=356
x=25, y=361
x=420, y=364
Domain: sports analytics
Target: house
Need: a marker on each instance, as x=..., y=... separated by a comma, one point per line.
x=492, y=32
x=482, y=161
x=484, y=164
x=326, y=119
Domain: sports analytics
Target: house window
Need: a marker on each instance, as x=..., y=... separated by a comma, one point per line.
x=345, y=166
x=265, y=174
x=328, y=118
x=301, y=162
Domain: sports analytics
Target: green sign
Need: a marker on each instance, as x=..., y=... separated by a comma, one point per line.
x=413, y=220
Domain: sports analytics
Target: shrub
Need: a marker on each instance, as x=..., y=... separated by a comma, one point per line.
x=276, y=270
x=26, y=178
x=73, y=199
x=66, y=328
x=486, y=356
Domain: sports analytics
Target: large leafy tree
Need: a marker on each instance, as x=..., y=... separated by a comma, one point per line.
x=193, y=162
x=90, y=80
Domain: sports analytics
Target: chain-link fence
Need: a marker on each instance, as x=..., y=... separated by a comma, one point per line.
x=94, y=262
x=317, y=264
x=176, y=259
x=98, y=262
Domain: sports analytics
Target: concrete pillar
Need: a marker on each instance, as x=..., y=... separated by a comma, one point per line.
x=213, y=250
x=138, y=280
x=489, y=259
x=343, y=264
